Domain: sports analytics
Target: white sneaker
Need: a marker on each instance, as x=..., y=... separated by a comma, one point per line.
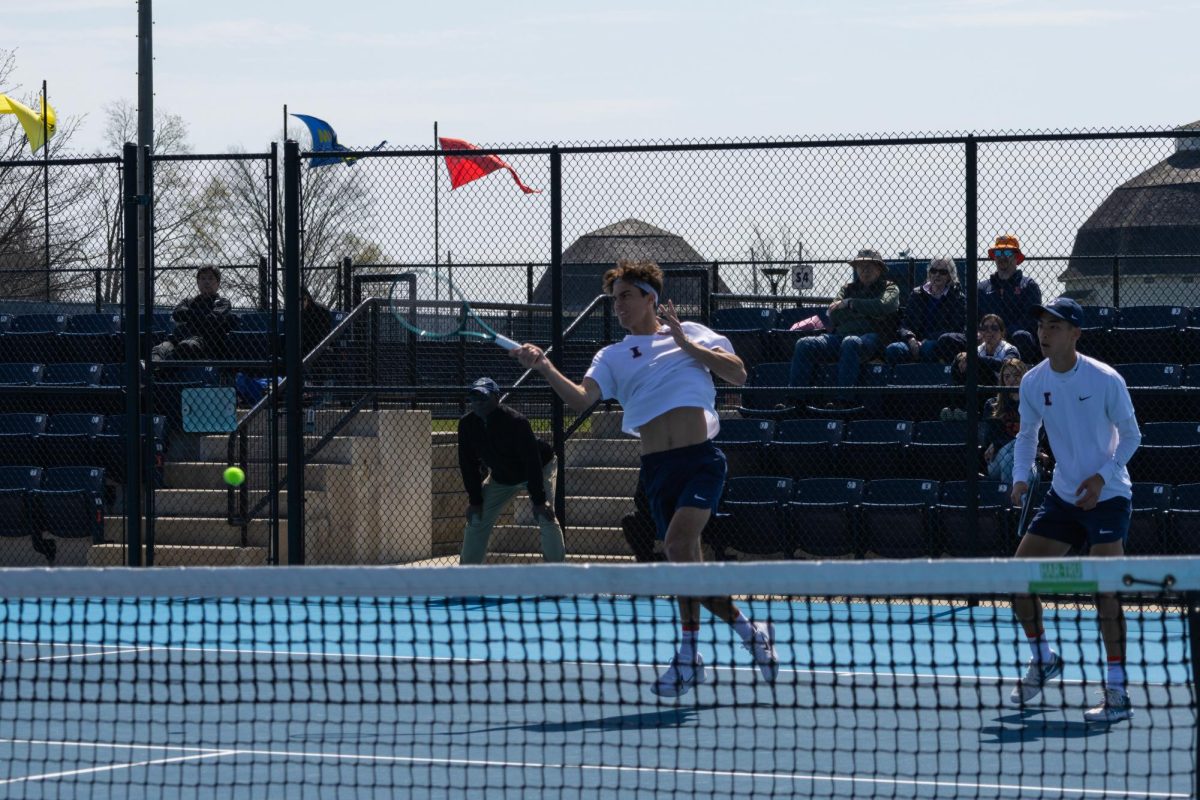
x=1036, y=676
x=1114, y=706
x=680, y=678
x=762, y=645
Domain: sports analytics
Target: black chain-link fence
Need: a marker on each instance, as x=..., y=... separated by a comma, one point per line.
x=896, y=443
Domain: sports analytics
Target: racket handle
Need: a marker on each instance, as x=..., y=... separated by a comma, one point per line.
x=507, y=343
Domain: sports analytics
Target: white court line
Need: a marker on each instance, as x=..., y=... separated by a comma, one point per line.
x=1024, y=789
x=321, y=654
x=46, y=776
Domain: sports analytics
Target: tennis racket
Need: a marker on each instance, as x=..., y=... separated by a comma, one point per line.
x=1034, y=481
x=432, y=307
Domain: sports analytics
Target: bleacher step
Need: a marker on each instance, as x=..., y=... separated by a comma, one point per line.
x=113, y=555
x=216, y=448
x=581, y=540
x=603, y=453
x=617, y=481
x=199, y=531
x=585, y=511
x=209, y=475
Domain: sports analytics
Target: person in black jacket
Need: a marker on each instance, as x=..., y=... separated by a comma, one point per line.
x=500, y=440
x=1013, y=296
x=201, y=324
x=935, y=319
x=316, y=321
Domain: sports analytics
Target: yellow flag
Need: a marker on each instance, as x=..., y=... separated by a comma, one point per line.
x=31, y=121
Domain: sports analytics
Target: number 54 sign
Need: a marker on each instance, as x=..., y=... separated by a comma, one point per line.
x=802, y=276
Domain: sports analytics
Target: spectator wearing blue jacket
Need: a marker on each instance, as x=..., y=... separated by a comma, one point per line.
x=935, y=318
x=1012, y=296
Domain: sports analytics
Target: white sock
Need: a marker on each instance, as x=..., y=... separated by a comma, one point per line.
x=1116, y=675
x=743, y=626
x=687, y=645
x=1039, y=648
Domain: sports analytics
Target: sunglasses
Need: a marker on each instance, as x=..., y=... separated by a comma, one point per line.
x=989, y=327
x=1004, y=253
x=939, y=272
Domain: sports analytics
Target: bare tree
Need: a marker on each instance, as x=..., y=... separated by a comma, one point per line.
x=34, y=264
x=780, y=245
x=336, y=207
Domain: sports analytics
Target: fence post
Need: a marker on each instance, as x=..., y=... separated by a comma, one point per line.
x=133, y=376
x=276, y=372
x=147, y=258
x=556, y=332
x=99, y=290
x=264, y=301
x=1116, y=279
x=346, y=299
x=972, y=275
x=293, y=396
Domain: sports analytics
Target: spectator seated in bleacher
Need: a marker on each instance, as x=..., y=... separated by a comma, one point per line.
x=1013, y=296
x=935, y=318
x=863, y=322
x=201, y=323
x=994, y=349
x=1002, y=416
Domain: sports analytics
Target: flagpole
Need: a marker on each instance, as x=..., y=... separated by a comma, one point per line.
x=46, y=178
x=285, y=122
x=436, y=205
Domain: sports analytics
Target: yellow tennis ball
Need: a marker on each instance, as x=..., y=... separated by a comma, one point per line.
x=234, y=476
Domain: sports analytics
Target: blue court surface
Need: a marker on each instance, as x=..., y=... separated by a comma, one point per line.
x=547, y=698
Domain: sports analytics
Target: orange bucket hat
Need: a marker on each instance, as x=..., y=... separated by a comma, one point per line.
x=1006, y=242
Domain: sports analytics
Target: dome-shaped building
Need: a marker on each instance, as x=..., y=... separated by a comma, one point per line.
x=591, y=255
x=1150, y=226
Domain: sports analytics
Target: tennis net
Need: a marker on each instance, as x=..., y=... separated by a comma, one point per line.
x=534, y=681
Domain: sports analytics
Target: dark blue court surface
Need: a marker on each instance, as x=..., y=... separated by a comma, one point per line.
x=500, y=698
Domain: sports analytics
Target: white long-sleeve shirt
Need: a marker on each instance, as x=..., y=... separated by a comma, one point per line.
x=1089, y=421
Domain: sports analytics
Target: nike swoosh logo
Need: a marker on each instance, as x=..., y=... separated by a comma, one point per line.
x=1102, y=531
x=701, y=499
x=1084, y=398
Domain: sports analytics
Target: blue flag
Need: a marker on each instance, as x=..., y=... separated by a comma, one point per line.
x=324, y=140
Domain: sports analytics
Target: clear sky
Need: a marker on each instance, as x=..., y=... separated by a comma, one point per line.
x=618, y=71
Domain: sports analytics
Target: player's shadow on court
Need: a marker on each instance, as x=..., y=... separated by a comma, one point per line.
x=1029, y=725
x=667, y=718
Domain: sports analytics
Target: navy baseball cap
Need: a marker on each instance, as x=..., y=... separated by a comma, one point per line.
x=485, y=386
x=1065, y=309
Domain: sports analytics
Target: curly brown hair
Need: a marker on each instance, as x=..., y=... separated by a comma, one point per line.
x=631, y=270
x=1006, y=399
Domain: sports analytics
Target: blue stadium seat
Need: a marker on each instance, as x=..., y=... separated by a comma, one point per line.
x=1147, y=527
x=1189, y=338
x=1190, y=406
x=256, y=321
x=918, y=404
x=1183, y=529
x=782, y=340
x=18, y=432
x=993, y=523
x=804, y=448
x=872, y=448
x=822, y=516
x=31, y=337
x=73, y=374
x=747, y=330
x=92, y=338
x=768, y=404
x=1168, y=450
x=70, y=503
x=1153, y=408
x=751, y=517
x=872, y=374
x=744, y=443
x=5, y=322
x=20, y=374
x=939, y=451
x=16, y=482
x=1146, y=332
x=68, y=440
x=1098, y=339
x=897, y=517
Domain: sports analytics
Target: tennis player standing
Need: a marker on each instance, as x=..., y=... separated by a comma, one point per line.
x=1093, y=432
x=661, y=373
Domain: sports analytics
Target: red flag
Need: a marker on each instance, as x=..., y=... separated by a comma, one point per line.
x=464, y=169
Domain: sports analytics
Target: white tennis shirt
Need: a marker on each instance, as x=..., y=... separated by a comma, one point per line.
x=648, y=374
x=1089, y=421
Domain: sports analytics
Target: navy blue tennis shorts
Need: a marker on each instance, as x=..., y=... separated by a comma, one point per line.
x=690, y=476
x=1065, y=522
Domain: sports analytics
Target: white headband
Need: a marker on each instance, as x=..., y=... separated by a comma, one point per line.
x=647, y=288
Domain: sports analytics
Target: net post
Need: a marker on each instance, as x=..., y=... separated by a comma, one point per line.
x=133, y=372
x=557, y=420
x=146, y=169
x=1193, y=627
x=294, y=386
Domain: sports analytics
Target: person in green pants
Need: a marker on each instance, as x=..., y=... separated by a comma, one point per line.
x=498, y=440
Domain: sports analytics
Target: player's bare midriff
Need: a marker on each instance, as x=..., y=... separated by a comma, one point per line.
x=679, y=427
